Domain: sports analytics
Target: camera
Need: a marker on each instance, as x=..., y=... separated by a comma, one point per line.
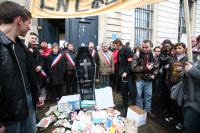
x=155, y=65
x=147, y=77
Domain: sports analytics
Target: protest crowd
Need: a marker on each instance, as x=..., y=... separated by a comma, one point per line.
x=36, y=74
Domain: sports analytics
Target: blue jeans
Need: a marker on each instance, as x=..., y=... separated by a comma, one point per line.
x=191, y=121
x=27, y=125
x=146, y=88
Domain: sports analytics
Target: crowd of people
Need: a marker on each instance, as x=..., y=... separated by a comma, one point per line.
x=34, y=73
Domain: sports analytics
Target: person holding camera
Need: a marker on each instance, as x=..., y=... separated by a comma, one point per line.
x=143, y=67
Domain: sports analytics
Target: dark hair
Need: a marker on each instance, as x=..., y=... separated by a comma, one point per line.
x=148, y=41
x=166, y=41
x=118, y=42
x=10, y=10
x=180, y=44
x=156, y=48
x=33, y=33
x=69, y=44
x=198, y=39
x=135, y=49
x=127, y=43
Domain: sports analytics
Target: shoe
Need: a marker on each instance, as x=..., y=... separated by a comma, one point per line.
x=151, y=115
x=179, y=126
x=169, y=119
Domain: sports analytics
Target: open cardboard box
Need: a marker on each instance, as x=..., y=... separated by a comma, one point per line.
x=137, y=114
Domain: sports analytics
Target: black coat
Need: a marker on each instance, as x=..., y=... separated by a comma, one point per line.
x=57, y=73
x=70, y=67
x=13, y=99
x=123, y=63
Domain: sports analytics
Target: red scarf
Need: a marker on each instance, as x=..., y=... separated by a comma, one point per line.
x=45, y=52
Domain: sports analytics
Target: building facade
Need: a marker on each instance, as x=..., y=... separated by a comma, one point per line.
x=157, y=22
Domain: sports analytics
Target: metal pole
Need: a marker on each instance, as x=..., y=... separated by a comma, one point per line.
x=188, y=30
x=194, y=5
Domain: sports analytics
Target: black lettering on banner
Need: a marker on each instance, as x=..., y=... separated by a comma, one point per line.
x=64, y=4
x=110, y=2
x=42, y=5
x=97, y=4
x=77, y=6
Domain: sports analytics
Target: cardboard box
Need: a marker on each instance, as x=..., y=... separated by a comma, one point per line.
x=137, y=114
x=69, y=103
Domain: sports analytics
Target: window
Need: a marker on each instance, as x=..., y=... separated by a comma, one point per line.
x=181, y=26
x=143, y=24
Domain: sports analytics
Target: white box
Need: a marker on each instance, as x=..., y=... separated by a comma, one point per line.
x=99, y=116
x=137, y=114
x=69, y=103
x=104, y=98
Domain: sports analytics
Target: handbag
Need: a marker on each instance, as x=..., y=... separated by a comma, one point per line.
x=177, y=93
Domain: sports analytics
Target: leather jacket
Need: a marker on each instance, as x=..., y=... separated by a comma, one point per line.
x=139, y=68
x=13, y=93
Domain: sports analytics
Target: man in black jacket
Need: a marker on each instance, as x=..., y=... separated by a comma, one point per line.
x=18, y=89
x=125, y=57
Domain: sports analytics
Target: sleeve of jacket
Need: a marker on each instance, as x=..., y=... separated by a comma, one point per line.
x=97, y=60
x=34, y=82
x=128, y=55
x=113, y=64
x=194, y=72
x=136, y=65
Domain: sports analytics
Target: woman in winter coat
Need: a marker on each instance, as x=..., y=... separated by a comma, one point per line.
x=56, y=70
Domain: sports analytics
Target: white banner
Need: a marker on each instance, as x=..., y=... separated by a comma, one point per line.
x=81, y=8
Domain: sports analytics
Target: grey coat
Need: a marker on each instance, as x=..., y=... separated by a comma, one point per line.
x=192, y=90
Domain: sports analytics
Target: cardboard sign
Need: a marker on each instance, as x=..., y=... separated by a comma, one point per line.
x=104, y=98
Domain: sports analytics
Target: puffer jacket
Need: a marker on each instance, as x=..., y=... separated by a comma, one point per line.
x=13, y=93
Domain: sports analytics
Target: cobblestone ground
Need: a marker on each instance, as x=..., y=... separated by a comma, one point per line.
x=157, y=125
